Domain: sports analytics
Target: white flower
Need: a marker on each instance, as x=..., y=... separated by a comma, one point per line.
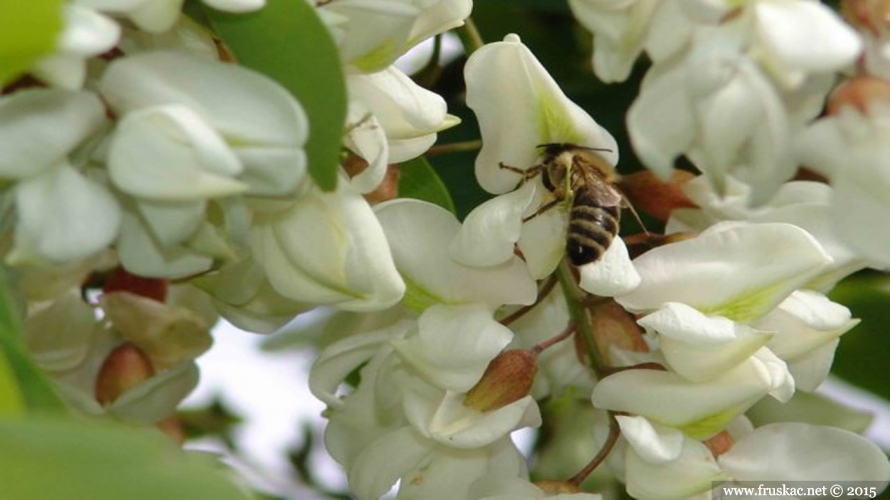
x=849, y=147
x=372, y=35
x=400, y=113
x=194, y=131
x=715, y=105
x=622, y=30
x=805, y=204
x=327, y=248
x=409, y=405
x=252, y=117
x=663, y=463
x=86, y=34
x=800, y=452
x=420, y=234
x=699, y=409
x=726, y=272
x=500, y=76
x=158, y=16
x=63, y=214
x=520, y=106
x=39, y=128
x=807, y=328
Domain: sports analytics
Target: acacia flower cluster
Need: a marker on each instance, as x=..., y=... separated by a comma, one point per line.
x=155, y=184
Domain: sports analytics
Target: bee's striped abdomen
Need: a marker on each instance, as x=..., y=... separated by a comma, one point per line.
x=591, y=230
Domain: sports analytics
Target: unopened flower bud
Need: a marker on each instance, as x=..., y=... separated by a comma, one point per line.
x=173, y=427
x=615, y=327
x=859, y=92
x=389, y=186
x=870, y=15
x=507, y=379
x=122, y=281
x=649, y=194
x=557, y=487
x=720, y=443
x=124, y=368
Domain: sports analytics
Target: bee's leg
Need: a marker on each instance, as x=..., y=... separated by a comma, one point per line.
x=545, y=207
x=626, y=204
x=526, y=174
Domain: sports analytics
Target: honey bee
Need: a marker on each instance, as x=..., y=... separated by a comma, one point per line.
x=581, y=178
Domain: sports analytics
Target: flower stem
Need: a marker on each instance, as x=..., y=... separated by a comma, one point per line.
x=547, y=343
x=614, y=433
x=522, y=311
x=455, y=147
x=575, y=298
x=470, y=37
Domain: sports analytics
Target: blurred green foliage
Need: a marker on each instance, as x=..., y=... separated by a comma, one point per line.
x=28, y=30
x=861, y=357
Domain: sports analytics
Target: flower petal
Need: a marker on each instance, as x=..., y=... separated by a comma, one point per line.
x=420, y=234
x=802, y=452
x=38, y=128
x=63, y=216
x=502, y=74
x=719, y=274
x=614, y=274
x=489, y=233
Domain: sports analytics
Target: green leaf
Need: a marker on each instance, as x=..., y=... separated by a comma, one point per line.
x=287, y=42
x=28, y=31
x=418, y=180
x=54, y=458
x=31, y=382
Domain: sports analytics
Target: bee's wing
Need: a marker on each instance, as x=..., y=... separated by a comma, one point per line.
x=598, y=189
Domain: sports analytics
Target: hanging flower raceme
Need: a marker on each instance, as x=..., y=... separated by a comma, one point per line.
x=193, y=131
x=520, y=108
x=747, y=78
x=411, y=405
x=849, y=147
x=63, y=214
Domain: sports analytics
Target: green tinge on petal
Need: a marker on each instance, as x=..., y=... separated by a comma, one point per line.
x=712, y=424
x=750, y=305
x=552, y=122
x=11, y=401
x=376, y=59
x=417, y=298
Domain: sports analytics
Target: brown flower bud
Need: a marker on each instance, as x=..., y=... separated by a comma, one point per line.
x=557, y=487
x=649, y=194
x=859, y=92
x=388, y=188
x=720, y=443
x=613, y=326
x=173, y=427
x=122, y=281
x=870, y=15
x=507, y=379
x=124, y=368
